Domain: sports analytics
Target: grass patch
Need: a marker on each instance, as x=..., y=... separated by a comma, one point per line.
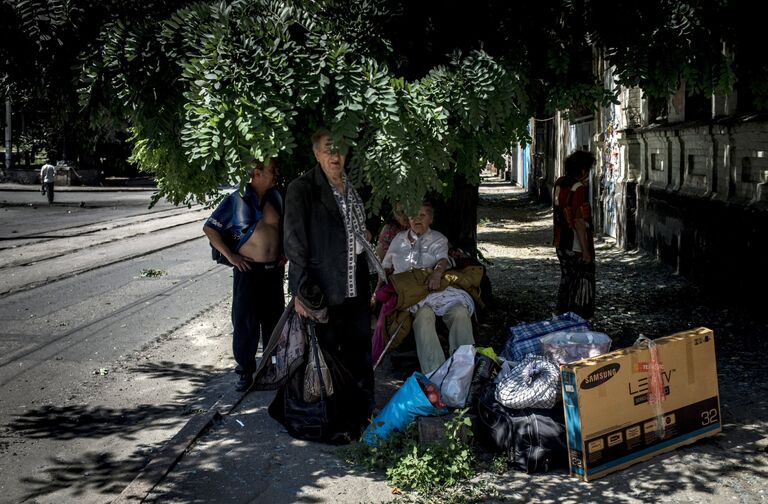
x=437, y=472
x=152, y=273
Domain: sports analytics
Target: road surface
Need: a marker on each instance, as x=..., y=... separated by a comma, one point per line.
x=114, y=319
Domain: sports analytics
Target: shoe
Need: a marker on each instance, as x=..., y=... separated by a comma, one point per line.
x=244, y=383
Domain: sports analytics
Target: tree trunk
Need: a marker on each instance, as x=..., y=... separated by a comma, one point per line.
x=457, y=217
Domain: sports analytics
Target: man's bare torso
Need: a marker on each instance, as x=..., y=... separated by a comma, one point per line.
x=264, y=244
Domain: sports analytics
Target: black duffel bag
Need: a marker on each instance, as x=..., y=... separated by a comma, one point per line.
x=533, y=438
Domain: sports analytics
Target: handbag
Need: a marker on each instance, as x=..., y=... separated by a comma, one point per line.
x=317, y=376
x=219, y=257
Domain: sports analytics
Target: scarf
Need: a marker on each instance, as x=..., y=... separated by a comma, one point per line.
x=353, y=210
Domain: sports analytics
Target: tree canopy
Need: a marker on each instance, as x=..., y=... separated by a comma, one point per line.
x=216, y=84
x=42, y=47
x=423, y=93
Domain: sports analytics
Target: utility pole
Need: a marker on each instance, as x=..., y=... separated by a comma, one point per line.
x=8, y=143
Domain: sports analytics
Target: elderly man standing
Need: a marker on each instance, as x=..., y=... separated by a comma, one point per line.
x=245, y=229
x=423, y=247
x=327, y=265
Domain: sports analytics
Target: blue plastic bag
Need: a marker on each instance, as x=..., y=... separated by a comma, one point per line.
x=408, y=403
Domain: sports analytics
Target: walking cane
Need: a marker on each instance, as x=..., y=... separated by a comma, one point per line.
x=383, y=352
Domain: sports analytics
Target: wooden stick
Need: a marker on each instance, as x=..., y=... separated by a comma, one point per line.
x=388, y=343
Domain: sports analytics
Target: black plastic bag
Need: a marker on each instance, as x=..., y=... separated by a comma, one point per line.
x=336, y=419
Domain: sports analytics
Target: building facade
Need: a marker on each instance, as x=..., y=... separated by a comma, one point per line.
x=682, y=183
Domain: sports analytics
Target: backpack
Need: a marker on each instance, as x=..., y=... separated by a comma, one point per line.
x=533, y=438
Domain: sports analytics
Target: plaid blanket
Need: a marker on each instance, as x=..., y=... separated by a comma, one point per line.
x=525, y=338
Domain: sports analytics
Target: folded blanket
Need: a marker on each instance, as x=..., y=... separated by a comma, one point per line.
x=408, y=288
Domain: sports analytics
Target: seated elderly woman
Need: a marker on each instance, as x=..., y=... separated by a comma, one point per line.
x=422, y=247
x=397, y=223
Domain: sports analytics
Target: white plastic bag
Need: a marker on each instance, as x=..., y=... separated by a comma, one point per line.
x=454, y=376
x=564, y=347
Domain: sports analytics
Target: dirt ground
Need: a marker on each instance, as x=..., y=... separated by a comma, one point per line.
x=637, y=295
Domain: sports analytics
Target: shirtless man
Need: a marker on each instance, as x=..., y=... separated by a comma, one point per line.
x=246, y=230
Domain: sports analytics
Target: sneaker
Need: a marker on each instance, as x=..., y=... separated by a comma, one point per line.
x=244, y=383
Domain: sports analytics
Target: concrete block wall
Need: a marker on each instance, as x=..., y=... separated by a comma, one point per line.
x=696, y=165
x=657, y=158
x=702, y=199
x=749, y=153
x=64, y=176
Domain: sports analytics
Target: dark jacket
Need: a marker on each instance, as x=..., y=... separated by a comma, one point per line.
x=315, y=241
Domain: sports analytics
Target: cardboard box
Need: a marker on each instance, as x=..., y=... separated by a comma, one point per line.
x=609, y=421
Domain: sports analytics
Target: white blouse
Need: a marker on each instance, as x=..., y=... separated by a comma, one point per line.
x=408, y=251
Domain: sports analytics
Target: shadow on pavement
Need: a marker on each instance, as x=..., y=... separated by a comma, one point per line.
x=109, y=470
x=78, y=422
x=174, y=371
x=101, y=472
x=248, y=457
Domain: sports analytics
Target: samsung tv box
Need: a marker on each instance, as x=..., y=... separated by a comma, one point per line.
x=613, y=419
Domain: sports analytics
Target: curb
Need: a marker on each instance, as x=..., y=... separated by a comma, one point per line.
x=173, y=450
x=78, y=189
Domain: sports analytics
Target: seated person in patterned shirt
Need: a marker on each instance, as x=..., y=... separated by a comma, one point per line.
x=422, y=247
x=246, y=230
x=398, y=223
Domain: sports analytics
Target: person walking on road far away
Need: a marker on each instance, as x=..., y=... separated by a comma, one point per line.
x=573, y=236
x=47, y=176
x=327, y=263
x=245, y=229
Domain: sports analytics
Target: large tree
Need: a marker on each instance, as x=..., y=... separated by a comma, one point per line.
x=424, y=93
x=218, y=83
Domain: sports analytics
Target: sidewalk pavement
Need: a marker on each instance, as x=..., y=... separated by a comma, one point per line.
x=243, y=455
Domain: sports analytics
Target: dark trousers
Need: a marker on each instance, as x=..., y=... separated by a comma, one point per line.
x=48, y=189
x=348, y=331
x=577, y=285
x=257, y=304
